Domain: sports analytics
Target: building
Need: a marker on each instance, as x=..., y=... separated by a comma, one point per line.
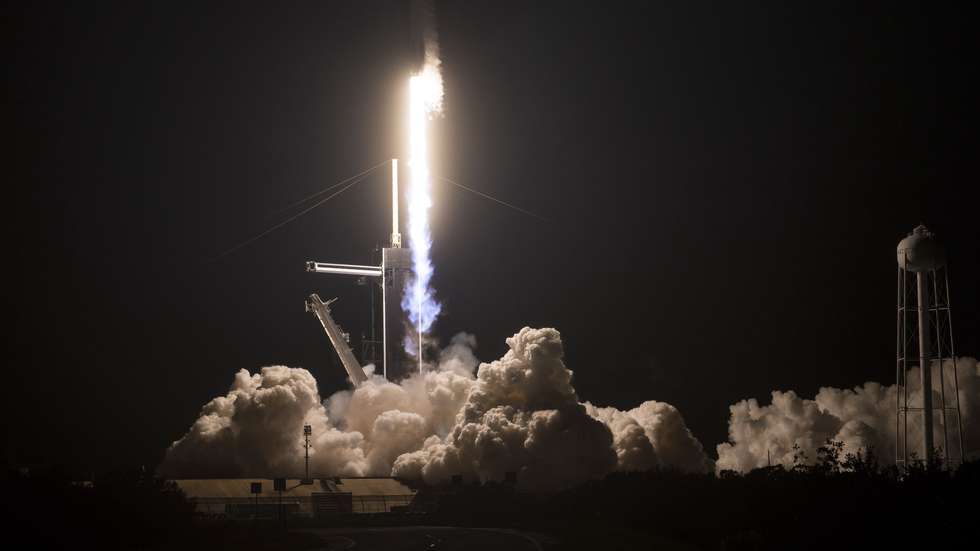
x=234, y=497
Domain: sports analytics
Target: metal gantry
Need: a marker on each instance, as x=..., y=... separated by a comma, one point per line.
x=391, y=276
x=321, y=310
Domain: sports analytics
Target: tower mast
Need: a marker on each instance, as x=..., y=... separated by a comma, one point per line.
x=396, y=238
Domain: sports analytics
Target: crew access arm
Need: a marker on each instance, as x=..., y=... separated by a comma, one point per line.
x=322, y=311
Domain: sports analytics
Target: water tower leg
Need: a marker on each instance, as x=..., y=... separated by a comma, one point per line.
x=925, y=368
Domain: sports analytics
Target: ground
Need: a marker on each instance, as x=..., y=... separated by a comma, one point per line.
x=426, y=537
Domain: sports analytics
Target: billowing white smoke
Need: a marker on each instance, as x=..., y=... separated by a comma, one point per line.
x=256, y=430
x=522, y=416
x=396, y=418
x=517, y=414
x=653, y=435
x=252, y=431
x=860, y=418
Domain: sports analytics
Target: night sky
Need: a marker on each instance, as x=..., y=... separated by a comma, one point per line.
x=724, y=188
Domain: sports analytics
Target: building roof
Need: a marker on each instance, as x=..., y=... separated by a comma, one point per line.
x=241, y=487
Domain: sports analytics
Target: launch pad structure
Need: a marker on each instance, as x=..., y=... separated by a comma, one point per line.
x=391, y=276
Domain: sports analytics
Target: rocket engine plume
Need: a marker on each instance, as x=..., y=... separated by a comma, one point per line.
x=425, y=100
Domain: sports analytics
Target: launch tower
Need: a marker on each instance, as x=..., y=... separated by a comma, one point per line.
x=390, y=276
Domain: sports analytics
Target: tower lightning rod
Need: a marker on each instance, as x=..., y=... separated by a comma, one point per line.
x=396, y=238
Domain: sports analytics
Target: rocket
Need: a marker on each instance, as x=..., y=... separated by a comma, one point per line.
x=421, y=33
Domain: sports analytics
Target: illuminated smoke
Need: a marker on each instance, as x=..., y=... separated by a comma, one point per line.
x=425, y=100
x=860, y=418
x=653, y=435
x=519, y=414
x=523, y=416
x=256, y=430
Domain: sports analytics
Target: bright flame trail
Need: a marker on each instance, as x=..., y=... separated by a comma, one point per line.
x=425, y=98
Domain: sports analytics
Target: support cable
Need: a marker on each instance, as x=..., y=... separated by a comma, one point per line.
x=351, y=182
x=494, y=199
x=328, y=188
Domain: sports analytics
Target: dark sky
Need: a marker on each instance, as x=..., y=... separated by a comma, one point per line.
x=725, y=187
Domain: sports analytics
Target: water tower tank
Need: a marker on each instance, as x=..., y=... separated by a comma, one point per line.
x=920, y=251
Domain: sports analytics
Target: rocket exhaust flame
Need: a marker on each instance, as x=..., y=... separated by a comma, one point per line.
x=425, y=99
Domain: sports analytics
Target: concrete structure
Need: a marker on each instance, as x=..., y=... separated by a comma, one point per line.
x=232, y=497
x=925, y=340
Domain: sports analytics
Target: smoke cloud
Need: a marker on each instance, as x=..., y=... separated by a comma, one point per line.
x=860, y=418
x=653, y=435
x=519, y=414
x=253, y=430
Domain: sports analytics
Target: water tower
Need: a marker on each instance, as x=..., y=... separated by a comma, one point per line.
x=927, y=401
